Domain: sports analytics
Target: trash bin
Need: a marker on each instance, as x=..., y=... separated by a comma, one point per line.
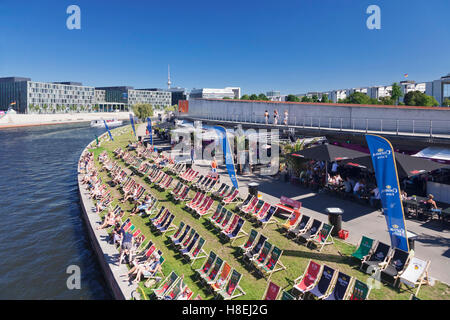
x=253, y=188
x=335, y=219
x=411, y=239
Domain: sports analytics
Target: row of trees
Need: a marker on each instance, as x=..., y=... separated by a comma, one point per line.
x=261, y=97
x=143, y=110
x=34, y=108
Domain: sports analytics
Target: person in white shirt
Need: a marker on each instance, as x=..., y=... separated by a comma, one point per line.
x=376, y=196
x=358, y=188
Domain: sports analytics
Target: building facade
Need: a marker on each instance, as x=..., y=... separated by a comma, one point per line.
x=209, y=93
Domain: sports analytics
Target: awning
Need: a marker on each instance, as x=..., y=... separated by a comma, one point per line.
x=328, y=152
x=436, y=153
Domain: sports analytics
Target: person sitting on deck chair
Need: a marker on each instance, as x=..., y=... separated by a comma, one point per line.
x=132, y=192
x=142, y=206
x=432, y=206
x=109, y=220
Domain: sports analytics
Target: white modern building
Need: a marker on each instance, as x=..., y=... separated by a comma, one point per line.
x=210, y=93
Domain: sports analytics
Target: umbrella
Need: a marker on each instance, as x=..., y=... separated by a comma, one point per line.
x=407, y=166
x=328, y=152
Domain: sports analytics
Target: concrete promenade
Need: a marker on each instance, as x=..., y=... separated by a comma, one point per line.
x=24, y=120
x=108, y=255
x=433, y=241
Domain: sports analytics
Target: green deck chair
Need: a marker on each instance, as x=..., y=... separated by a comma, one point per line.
x=364, y=248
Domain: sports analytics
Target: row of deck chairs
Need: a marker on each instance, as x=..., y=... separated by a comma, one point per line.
x=160, y=179
x=188, y=176
x=303, y=228
x=205, y=183
x=259, y=211
x=326, y=283
x=162, y=222
x=230, y=225
x=180, y=192
x=218, y=277
x=262, y=255
x=226, y=194
x=176, y=168
x=188, y=243
x=396, y=266
x=200, y=205
x=144, y=254
x=173, y=288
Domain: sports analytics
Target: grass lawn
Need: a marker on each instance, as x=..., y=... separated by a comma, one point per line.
x=295, y=256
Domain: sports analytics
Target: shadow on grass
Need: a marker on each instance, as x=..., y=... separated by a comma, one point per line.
x=316, y=256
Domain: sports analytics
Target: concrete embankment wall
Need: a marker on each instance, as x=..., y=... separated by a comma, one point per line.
x=386, y=118
x=106, y=253
x=17, y=120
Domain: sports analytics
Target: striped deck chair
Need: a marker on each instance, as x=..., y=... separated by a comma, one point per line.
x=230, y=227
x=197, y=253
x=238, y=231
x=341, y=287
x=244, y=203
x=166, y=285
x=176, y=242
x=219, y=190
x=225, y=190
x=193, y=206
x=249, y=205
x=168, y=226
x=204, y=270
x=361, y=291
x=158, y=215
x=186, y=241
x=212, y=275
x=270, y=267
x=323, y=237
x=211, y=186
x=231, y=198
x=183, y=194
x=216, y=213
x=364, y=248
x=204, y=210
x=176, y=189
x=255, y=209
x=306, y=282
x=162, y=220
x=187, y=249
x=250, y=241
x=272, y=291
x=222, y=225
x=221, y=281
x=286, y=296
x=269, y=217
x=313, y=230
x=300, y=228
x=416, y=273
x=263, y=254
x=261, y=212
x=220, y=217
x=193, y=200
x=325, y=283
x=177, y=234
x=249, y=254
x=175, y=291
x=232, y=286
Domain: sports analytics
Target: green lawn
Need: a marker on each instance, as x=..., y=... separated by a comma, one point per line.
x=295, y=256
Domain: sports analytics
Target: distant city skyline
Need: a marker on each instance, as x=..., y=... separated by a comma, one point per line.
x=305, y=46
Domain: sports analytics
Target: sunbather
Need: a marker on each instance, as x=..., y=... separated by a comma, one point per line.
x=109, y=220
x=142, y=206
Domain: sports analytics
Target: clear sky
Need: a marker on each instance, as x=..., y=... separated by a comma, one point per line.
x=290, y=46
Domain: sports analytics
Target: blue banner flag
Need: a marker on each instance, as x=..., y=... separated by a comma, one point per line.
x=149, y=128
x=383, y=160
x=106, y=126
x=228, y=155
x=132, y=124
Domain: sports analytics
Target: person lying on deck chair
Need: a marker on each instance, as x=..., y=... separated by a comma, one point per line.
x=141, y=206
x=109, y=220
x=132, y=193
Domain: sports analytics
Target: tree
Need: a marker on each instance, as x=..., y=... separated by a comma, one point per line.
x=306, y=99
x=387, y=101
x=143, y=110
x=292, y=98
x=253, y=97
x=325, y=99
x=263, y=97
x=396, y=92
x=417, y=98
x=245, y=97
x=315, y=98
x=357, y=98
x=226, y=98
x=446, y=102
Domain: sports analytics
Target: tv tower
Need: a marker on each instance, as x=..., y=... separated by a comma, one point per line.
x=168, y=78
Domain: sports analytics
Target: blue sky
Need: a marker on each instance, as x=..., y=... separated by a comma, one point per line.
x=291, y=46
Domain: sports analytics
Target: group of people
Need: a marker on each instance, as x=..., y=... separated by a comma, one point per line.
x=276, y=116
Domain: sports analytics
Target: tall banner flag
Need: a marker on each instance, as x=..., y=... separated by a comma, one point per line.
x=383, y=160
x=228, y=155
x=132, y=124
x=149, y=128
x=106, y=126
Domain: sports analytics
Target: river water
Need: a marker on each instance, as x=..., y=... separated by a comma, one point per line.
x=41, y=231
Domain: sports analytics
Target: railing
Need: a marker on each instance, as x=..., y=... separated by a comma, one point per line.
x=431, y=128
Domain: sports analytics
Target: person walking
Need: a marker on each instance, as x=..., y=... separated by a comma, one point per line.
x=275, y=117
x=266, y=115
x=214, y=165
x=192, y=155
x=285, y=117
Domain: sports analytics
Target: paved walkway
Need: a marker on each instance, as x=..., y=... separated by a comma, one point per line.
x=433, y=241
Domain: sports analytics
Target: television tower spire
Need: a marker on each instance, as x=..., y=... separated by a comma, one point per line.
x=168, y=78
